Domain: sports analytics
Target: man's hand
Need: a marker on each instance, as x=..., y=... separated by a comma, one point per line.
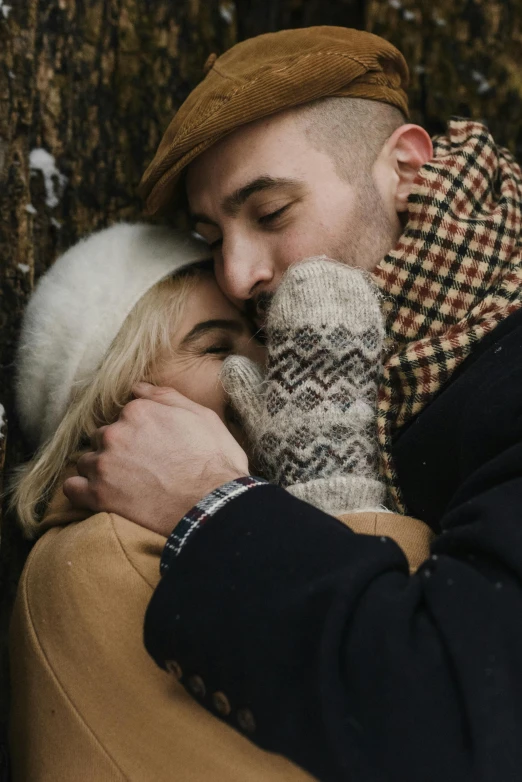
x=163, y=455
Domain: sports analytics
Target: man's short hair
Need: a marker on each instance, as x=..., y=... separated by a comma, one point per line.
x=352, y=131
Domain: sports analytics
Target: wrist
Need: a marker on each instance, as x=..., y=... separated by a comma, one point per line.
x=213, y=482
x=202, y=511
x=206, y=486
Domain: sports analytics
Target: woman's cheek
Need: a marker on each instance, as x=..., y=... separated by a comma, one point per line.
x=202, y=385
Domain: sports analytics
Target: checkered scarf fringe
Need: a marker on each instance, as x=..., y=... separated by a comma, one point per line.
x=454, y=275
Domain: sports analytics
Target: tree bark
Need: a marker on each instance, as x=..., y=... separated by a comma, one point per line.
x=464, y=58
x=91, y=85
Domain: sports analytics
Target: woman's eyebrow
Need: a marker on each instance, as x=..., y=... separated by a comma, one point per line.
x=209, y=325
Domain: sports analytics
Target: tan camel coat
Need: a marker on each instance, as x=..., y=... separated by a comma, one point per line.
x=88, y=702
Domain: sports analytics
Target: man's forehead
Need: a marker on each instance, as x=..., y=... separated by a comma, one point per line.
x=267, y=150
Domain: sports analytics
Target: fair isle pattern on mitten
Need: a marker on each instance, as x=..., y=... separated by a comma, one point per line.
x=326, y=375
x=325, y=337
x=312, y=418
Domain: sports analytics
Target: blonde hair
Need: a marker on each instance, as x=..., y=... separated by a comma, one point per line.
x=146, y=333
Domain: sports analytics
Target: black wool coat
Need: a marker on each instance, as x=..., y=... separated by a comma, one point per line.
x=328, y=651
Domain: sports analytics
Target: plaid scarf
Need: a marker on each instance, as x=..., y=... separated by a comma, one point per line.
x=454, y=275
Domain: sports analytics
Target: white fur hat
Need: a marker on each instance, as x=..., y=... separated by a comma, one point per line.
x=78, y=308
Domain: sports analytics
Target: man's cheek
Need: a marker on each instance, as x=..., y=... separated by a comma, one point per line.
x=304, y=244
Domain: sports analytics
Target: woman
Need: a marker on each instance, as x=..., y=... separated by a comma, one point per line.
x=109, y=314
x=130, y=303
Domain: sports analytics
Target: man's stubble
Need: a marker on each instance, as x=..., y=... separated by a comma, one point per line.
x=370, y=234
x=367, y=238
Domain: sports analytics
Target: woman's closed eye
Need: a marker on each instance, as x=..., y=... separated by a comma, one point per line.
x=219, y=349
x=219, y=343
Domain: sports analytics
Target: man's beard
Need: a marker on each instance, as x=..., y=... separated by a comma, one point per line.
x=370, y=234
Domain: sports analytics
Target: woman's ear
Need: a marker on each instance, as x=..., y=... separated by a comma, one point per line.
x=408, y=148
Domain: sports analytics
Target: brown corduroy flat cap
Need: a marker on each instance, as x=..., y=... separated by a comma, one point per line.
x=267, y=74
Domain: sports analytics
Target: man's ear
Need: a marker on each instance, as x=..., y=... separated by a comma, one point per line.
x=408, y=148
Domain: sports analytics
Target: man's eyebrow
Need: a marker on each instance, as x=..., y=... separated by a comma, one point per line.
x=233, y=202
x=209, y=325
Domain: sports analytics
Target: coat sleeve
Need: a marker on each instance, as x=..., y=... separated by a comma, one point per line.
x=330, y=653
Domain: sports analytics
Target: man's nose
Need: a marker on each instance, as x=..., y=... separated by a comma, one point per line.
x=246, y=268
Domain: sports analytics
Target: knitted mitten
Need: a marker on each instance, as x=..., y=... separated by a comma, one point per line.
x=312, y=418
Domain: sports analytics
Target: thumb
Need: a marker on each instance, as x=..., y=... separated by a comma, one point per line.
x=243, y=382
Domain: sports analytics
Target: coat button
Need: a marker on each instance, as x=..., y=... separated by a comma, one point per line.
x=197, y=686
x=221, y=704
x=174, y=668
x=246, y=720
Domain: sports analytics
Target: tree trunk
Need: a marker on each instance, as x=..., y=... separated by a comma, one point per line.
x=87, y=87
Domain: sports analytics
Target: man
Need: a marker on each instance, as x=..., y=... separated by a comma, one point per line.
x=327, y=650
